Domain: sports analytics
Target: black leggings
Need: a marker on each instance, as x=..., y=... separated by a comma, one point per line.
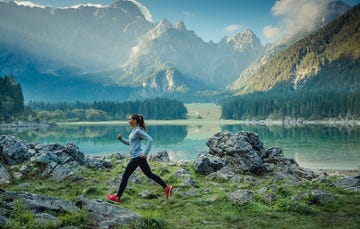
x=130, y=168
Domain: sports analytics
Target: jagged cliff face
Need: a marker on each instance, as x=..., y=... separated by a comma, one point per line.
x=176, y=47
x=91, y=38
x=116, y=45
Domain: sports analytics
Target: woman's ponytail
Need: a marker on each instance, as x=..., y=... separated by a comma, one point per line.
x=142, y=122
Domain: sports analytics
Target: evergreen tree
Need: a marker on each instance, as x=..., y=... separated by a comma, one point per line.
x=299, y=104
x=11, y=98
x=157, y=108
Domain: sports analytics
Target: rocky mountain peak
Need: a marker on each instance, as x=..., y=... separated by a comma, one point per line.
x=180, y=25
x=244, y=40
x=243, y=37
x=160, y=28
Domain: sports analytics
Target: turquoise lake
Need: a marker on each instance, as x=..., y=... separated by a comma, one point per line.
x=312, y=146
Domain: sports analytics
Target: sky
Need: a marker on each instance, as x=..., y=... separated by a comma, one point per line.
x=215, y=19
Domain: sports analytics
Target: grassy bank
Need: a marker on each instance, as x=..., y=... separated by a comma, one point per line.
x=200, y=201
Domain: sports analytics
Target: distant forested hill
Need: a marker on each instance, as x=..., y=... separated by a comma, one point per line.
x=157, y=108
x=326, y=60
x=316, y=78
x=312, y=105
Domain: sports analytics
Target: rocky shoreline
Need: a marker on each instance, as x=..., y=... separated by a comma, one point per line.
x=302, y=122
x=23, y=125
x=231, y=157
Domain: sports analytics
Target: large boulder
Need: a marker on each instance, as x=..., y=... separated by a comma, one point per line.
x=351, y=183
x=55, y=161
x=245, y=152
x=105, y=215
x=46, y=209
x=37, y=203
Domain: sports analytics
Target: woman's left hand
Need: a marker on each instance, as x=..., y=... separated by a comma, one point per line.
x=143, y=156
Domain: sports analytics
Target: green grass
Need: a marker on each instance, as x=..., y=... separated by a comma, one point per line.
x=207, y=111
x=203, y=206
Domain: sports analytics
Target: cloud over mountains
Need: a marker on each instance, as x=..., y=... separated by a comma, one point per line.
x=297, y=16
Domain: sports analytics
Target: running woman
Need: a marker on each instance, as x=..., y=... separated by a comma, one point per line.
x=138, y=156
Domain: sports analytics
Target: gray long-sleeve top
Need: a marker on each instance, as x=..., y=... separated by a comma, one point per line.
x=135, y=138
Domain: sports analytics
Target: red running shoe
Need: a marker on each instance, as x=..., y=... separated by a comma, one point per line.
x=168, y=190
x=113, y=198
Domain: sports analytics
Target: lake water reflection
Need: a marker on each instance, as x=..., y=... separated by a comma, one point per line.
x=312, y=146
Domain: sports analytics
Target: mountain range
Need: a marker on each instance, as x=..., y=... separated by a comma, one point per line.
x=91, y=53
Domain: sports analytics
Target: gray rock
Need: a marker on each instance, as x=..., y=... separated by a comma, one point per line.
x=262, y=190
x=241, y=196
x=106, y=215
x=270, y=198
x=3, y=221
x=247, y=163
x=322, y=178
x=254, y=140
x=99, y=214
x=188, y=182
x=37, y=203
x=4, y=175
x=349, y=183
x=60, y=172
x=45, y=158
x=300, y=172
x=182, y=172
x=189, y=193
x=160, y=156
x=217, y=163
x=18, y=175
x=288, y=178
x=225, y=173
x=13, y=150
x=202, y=166
x=269, y=167
x=246, y=153
x=46, y=220
x=320, y=197
x=24, y=169
x=59, y=161
x=97, y=164
x=72, y=150
x=241, y=150
x=274, y=155
x=226, y=143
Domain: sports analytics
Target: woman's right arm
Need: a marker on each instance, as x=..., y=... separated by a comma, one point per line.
x=123, y=140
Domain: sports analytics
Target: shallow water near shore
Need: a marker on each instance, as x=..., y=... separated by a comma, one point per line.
x=312, y=146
